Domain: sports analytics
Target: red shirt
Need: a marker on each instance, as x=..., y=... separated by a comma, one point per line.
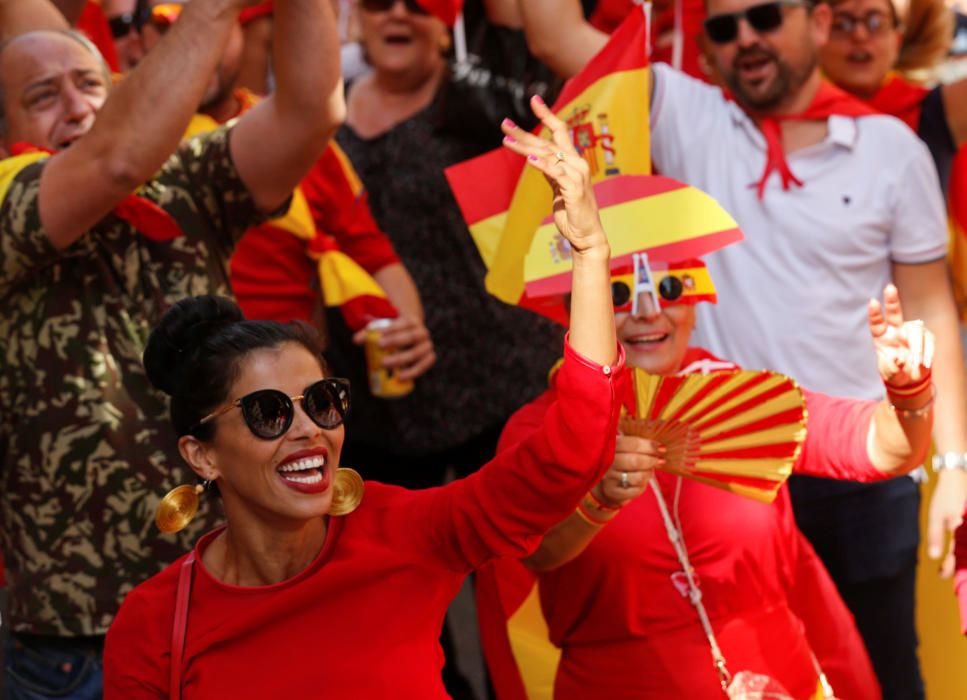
x=363, y=620
x=625, y=629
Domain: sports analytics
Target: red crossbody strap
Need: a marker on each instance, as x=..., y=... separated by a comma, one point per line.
x=180, y=629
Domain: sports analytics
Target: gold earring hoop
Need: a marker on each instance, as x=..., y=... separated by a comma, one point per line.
x=347, y=491
x=178, y=507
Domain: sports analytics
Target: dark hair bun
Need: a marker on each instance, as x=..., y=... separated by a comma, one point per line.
x=180, y=334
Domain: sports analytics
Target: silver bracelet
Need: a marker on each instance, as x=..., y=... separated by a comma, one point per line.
x=921, y=412
x=950, y=460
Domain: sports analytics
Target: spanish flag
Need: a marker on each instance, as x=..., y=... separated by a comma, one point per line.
x=606, y=108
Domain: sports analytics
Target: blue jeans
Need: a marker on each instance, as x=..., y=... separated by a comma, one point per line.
x=39, y=668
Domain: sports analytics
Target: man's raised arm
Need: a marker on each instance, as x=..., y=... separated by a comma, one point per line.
x=18, y=17
x=139, y=126
x=276, y=142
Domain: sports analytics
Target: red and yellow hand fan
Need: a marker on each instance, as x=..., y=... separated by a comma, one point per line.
x=739, y=430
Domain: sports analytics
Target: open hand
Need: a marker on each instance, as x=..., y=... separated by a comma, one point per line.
x=636, y=458
x=904, y=349
x=575, y=210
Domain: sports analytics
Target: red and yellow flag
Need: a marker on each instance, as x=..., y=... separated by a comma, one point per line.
x=606, y=109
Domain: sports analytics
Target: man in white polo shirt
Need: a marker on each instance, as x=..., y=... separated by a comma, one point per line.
x=834, y=204
x=846, y=204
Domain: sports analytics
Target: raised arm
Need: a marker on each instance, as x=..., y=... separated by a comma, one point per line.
x=276, y=142
x=559, y=36
x=899, y=434
x=139, y=126
x=925, y=290
x=505, y=508
x=19, y=17
x=576, y=217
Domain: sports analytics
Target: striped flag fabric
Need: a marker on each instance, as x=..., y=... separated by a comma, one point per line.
x=606, y=109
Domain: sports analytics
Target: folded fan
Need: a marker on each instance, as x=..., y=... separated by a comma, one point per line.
x=739, y=430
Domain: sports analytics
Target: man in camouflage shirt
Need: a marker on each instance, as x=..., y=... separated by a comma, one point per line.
x=86, y=269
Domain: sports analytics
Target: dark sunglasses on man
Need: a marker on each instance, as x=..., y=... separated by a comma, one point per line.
x=269, y=413
x=385, y=5
x=766, y=17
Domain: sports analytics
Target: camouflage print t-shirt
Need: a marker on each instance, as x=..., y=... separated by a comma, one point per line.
x=86, y=444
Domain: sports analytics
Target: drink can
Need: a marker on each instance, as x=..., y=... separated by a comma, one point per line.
x=384, y=382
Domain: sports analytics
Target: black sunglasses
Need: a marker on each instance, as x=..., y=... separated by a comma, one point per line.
x=384, y=5
x=767, y=17
x=268, y=413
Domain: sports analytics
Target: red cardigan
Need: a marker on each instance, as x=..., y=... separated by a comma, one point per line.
x=363, y=620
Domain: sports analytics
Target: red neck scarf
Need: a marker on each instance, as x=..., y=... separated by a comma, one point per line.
x=146, y=216
x=828, y=101
x=901, y=99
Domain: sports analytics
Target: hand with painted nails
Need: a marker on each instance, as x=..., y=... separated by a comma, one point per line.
x=904, y=349
x=575, y=209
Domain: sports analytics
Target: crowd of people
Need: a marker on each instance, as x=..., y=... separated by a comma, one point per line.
x=207, y=207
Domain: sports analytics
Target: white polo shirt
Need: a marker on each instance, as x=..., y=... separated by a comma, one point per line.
x=793, y=295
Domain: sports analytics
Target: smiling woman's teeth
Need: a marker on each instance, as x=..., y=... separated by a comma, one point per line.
x=294, y=470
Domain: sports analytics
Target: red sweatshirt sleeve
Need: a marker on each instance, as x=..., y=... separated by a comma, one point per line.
x=340, y=207
x=506, y=507
x=835, y=445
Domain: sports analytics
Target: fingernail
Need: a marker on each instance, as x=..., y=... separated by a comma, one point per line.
x=510, y=139
x=532, y=158
x=509, y=124
x=662, y=449
x=662, y=462
x=539, y=99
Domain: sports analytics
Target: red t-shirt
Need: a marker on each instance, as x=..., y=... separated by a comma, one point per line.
x=625, y=628
x=363, y=620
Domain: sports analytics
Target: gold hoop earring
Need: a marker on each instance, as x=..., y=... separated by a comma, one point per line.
x=347, y=491
x=179, y=506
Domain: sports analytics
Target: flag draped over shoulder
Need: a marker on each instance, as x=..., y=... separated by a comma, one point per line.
x=342, y=281
x=606, y=109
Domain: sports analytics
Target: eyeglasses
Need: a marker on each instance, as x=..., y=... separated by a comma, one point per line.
x=385, y=5
x=670, y=289
x=767, y=17
x=269, y=413
x=875, y=23
x=121, y=25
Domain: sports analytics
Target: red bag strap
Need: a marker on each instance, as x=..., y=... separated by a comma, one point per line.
x=180, y=629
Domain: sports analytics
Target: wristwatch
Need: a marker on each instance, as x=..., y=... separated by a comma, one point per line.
x=950, y=460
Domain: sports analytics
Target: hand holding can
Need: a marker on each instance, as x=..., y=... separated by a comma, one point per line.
x=384, y=381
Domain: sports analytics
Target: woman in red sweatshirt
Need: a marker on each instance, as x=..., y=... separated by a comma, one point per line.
x=294, y=598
